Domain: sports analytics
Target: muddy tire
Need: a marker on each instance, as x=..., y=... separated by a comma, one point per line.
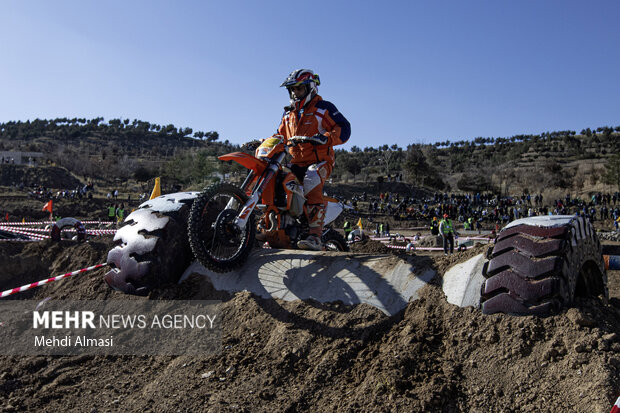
x=56, y=233
x=152, y=248
x=215, y=241
x=333, y=241
x=540, y=265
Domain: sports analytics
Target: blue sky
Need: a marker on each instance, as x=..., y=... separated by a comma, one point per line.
x=401, y=71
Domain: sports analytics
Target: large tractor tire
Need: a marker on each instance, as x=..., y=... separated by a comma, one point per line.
x=151, y=249
x=540, y=265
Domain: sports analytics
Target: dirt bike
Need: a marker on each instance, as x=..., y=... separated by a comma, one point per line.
x=226, y=222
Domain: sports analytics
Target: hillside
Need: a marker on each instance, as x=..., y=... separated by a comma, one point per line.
x=120, y=151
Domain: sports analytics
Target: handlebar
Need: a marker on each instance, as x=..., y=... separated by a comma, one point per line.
x=296, y=140
x=292, y=141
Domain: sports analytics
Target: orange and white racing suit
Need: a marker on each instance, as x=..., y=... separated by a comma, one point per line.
x=311, y=163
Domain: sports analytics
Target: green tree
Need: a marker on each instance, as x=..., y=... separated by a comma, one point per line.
x=143, y=174
x=415, y=164
x=352, y=165
x=211, y=136
x=475, y=182
x=611, y=175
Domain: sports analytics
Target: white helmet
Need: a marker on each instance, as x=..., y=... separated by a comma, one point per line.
x=302, y=77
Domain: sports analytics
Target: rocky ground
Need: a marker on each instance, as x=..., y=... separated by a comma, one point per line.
x=302, y=356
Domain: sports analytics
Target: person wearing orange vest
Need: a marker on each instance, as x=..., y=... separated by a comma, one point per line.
x=314, y=126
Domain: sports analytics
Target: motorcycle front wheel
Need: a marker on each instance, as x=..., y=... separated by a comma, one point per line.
x=333, y=241
x=215, y=240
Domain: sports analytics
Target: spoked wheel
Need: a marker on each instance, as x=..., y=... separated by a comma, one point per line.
x=214, y=238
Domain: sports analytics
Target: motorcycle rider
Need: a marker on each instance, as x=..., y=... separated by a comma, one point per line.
x=314, y=126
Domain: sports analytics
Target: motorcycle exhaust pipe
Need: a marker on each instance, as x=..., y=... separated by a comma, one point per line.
x=273, y=221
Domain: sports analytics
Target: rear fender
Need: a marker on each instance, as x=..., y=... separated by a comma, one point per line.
x=248, y=161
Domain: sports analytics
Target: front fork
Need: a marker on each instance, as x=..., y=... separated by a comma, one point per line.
x=242, y=219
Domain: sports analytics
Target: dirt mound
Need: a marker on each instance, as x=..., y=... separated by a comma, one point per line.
x=370, y=247
x=445, y=262
x=47, y=176
x=307, y=356
x=431, y=241
x=27, y=262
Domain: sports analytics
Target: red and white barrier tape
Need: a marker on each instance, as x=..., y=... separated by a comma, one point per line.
x=28, y=223
x=399, y=247
x=51, y=222
x=88, y=231
x=30, y=234
x=25, y=229
x=99, y=222
x=49, y=280
x=100, y=231
x=616, y=407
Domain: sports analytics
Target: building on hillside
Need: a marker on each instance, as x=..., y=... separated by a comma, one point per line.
x=20, y=158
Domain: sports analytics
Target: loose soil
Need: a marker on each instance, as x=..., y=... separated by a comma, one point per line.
x=301, y=356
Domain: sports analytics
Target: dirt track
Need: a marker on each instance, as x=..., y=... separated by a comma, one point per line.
x=299, y=356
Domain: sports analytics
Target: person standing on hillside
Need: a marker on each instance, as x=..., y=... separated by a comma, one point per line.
x=120, y=214
x=447, y=234
x=112, y=212
x=434, y=226
x=314, y=126
x=347, y=229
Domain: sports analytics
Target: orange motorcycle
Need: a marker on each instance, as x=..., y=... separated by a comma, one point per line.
x=226, y=222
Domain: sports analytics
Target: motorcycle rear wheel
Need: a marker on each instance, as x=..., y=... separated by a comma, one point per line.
x=215, y=240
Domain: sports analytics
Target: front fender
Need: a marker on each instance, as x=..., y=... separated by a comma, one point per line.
x=248, y=161
x=332, y=211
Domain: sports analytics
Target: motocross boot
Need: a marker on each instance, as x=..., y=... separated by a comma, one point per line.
x=312, y=243
x=313, y=240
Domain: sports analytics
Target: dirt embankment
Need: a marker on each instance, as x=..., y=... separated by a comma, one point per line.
x=302, y=356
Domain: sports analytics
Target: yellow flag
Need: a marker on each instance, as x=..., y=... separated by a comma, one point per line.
x=23, y=220
x=359, y=223
x=156, y=189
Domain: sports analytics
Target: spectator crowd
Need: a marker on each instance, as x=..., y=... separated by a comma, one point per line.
x=490, y=210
